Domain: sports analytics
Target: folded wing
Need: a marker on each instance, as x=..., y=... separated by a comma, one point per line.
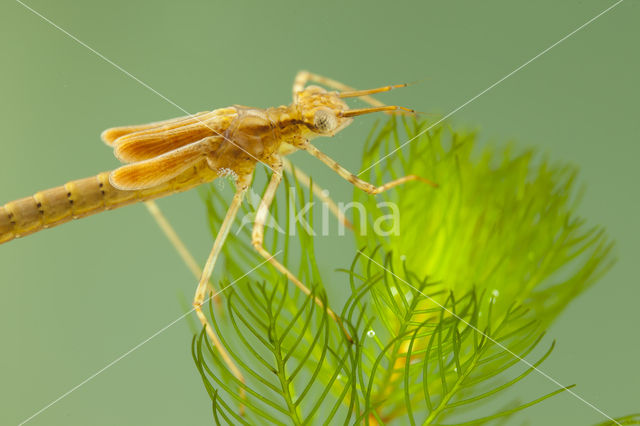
x=155, y=171
x=137, y=143
x=109, y=136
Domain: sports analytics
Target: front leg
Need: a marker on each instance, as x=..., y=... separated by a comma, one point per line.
x=355, y=180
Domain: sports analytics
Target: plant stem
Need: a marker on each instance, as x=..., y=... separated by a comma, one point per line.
x=454, y=389
x=282, y=377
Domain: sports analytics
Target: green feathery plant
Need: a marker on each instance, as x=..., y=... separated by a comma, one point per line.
x=503, y=221
x=441, y=314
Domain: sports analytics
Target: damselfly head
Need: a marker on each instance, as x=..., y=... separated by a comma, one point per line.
x=322, y=111
x=325, y=113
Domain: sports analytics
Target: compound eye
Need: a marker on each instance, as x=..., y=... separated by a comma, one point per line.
x=324, y=121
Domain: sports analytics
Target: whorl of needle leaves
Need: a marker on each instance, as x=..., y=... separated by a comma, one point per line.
x=502, y=221
x=480, y=267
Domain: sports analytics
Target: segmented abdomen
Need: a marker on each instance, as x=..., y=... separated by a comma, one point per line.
x=84, y=197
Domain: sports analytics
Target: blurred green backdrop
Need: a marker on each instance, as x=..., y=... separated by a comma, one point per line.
x=76, y=297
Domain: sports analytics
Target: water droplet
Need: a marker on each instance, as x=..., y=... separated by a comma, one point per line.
x=371, y=333
x=495, y=293
x=325, y=192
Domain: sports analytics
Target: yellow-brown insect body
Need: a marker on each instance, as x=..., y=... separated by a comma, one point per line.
x=178, y=154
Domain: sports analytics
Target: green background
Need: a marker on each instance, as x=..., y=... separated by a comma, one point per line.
x=76, y=297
